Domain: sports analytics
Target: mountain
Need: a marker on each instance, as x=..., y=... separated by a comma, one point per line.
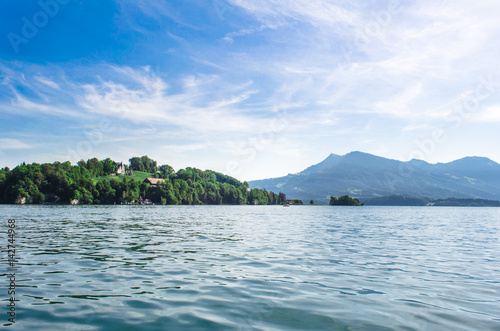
x=368, y=176
x=399, y=200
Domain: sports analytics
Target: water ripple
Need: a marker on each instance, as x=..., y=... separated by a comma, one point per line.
x=257, y=268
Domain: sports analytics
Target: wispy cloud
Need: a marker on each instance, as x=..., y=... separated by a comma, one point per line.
x=201, y=105
x=315, y=12
x=8, y=143
x=48, y=82
x=346, y=73
x=420, y=60
x=488, y=115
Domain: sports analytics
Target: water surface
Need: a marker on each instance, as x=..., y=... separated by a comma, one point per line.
x=255, y=268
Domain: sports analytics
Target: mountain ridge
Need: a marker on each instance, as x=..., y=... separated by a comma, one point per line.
x=366, y=175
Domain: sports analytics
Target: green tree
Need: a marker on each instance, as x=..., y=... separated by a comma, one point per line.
x=107, y=195
x=344, y=200
x=109, y=166
x=187, y=186
x=281, y=198
x=166, y=170
x=95, y=167
x=136, y=164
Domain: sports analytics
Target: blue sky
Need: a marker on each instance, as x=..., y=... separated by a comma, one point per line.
x=255, y=89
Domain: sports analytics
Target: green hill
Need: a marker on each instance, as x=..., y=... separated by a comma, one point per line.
x=138, y=176
x=96, y=182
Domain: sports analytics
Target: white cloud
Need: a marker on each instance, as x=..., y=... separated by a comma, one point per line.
x=317, y=12
x=335, y=66
x=421, y=58
x=488, y=115
x=48, y=82
x=21, y=104
x=7, y=143
x=417, y=127
x=154, y=9
x=206, y=104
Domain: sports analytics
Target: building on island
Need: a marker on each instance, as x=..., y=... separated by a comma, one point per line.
x=121, y=170
x=154, y=181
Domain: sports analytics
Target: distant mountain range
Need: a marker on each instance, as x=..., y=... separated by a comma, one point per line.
x=368, y=176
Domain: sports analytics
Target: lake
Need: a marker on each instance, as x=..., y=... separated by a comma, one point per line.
x=254, y=268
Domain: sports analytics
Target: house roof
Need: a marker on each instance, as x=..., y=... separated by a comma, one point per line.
x=154, y=181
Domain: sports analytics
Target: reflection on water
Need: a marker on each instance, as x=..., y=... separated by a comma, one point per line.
x=256, y=268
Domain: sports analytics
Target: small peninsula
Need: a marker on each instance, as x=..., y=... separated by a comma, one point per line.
x=141, y=181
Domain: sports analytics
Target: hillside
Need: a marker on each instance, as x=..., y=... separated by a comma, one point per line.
x=104, y=182
x=368, y=176
x=138, y=176
x=398, y=200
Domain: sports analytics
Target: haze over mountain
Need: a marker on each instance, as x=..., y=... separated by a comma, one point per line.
x=366, y=176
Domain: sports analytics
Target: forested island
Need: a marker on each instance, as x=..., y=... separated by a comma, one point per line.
x=344, y=200
x=141, y=181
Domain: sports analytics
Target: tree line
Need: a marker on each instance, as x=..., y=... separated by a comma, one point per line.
x=88, y=182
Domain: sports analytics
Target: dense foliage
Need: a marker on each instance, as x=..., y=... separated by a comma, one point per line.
x=94, y=182
x=143, y=163
x=344, y=200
